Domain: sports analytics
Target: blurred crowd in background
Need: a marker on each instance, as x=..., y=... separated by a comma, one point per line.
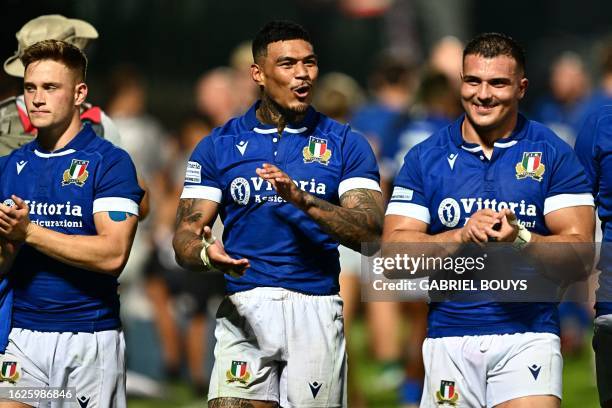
x=390, y=68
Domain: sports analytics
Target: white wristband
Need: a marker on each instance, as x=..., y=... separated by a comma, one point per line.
x=204, y=254
x=522, y=238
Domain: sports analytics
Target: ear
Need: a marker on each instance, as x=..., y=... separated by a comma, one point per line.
x=257, y=74
x=80, y=93
x=523, y=84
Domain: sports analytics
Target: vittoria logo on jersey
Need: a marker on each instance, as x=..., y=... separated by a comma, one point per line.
x=43, y=208
x=530, y=166
x=76, y=174
x=240, y=190
x=316, y=150
x=450, y=210
x=448, y=393
x=9, y=372
x=238, y=372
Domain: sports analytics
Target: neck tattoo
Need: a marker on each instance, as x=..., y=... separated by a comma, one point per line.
x=271, y=113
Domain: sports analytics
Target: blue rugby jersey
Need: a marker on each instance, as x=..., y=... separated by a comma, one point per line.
x=594, y=149
x=286, y=248
x=63, y=190
x=445, y=179
x=6, y=312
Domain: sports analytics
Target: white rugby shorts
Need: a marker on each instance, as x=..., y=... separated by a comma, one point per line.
x=484, y=371
x=92, y=363
x=602, y=344
x=277, y=345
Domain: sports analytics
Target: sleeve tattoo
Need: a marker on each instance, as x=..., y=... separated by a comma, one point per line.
x=359, y=218
x=187, y=239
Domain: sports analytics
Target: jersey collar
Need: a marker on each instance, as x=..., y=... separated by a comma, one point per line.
x=79, y=142
x=250, y=121
x=517, y=134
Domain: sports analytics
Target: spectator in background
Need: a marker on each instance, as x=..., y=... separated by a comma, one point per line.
x=392, y=84
x=244, y=88
x=437, y=104
x=215, y=95
x=142, y=137
x=603, y=94
x=338, y=95
x=178, y=294
x=562, y=110
x=16, y=129
x=446, y=57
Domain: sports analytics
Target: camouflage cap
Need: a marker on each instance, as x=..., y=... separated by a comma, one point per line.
x=49, y=27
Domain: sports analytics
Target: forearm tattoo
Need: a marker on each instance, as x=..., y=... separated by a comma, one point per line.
x=187, y=244
x=358, y=219
x=239, y=403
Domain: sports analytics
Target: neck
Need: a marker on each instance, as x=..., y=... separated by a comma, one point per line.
x=55, y=138
x=269, y=112
x=486, y=137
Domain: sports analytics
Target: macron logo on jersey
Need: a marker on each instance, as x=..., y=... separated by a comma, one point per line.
x=451, y=160
x=242, y=147
x=21, y=165
x=535, y=371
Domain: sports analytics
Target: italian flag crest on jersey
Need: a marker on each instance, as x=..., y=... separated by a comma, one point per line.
x=448, y=393
x=530, y=166
x=316, y=150
x=76, y=174
x=238, y=372
x=8, y=372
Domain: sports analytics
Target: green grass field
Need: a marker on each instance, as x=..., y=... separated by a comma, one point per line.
x=578, y=381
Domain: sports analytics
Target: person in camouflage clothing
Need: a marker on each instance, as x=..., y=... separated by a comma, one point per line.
x=15, y=127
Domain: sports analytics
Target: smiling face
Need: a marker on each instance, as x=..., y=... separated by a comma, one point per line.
x=287, y=74
x=491, y=89
x=52, y=94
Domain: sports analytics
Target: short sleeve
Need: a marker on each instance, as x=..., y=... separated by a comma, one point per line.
x=408, y=196
x=359, y=169
x=117, y=186
x=568, y=185
x=201, y=175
